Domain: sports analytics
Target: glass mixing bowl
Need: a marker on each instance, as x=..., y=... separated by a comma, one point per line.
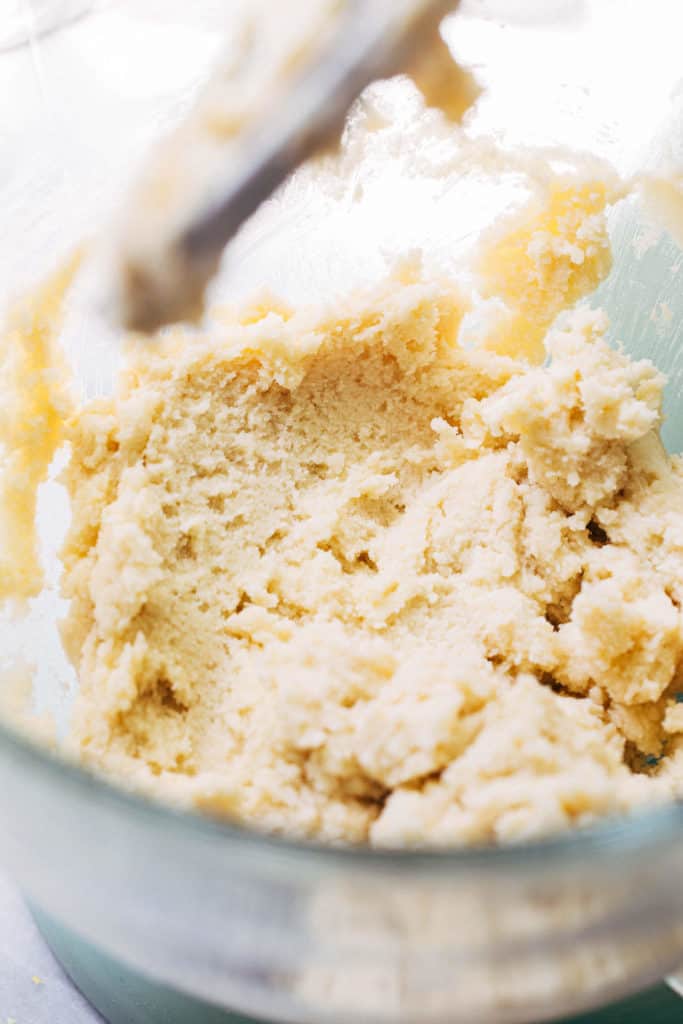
x=267, y=926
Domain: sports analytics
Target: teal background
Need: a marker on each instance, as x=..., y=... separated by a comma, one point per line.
x=643, y=297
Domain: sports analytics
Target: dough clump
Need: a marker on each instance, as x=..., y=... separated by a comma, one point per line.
x=348, y=577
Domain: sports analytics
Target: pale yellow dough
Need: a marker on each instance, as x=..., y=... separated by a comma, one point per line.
x=343, y=577
x=403, y=571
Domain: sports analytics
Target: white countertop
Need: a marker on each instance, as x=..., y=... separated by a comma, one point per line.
x=33, y=987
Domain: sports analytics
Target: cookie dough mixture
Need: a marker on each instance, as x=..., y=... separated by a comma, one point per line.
x=407, y=569
x=348, y=577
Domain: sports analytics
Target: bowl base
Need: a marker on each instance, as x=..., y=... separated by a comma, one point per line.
x=120, y=995
x=123, y=997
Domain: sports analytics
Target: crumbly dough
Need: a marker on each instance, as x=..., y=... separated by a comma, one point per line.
x=345, y=577
x=406, y=570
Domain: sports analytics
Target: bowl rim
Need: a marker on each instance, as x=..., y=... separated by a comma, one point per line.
x=632, y=833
